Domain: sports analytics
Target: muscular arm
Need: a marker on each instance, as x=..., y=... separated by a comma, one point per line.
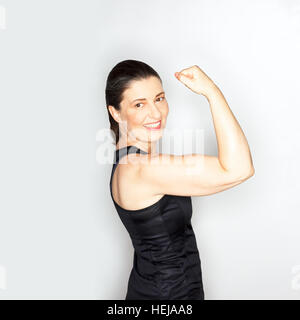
x=233, y=149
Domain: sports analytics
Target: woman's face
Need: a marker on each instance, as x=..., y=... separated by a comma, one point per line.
x=144, y=103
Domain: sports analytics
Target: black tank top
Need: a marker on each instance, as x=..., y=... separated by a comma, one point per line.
x=166, y=263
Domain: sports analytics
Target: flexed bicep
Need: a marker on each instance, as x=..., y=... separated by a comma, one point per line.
x=186, y=175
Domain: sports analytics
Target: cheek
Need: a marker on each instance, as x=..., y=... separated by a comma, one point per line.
x=135, y=119
x=165, y=110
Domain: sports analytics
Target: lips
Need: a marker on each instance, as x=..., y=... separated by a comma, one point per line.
x=153, y=126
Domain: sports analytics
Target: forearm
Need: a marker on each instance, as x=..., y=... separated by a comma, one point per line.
x=233, y=149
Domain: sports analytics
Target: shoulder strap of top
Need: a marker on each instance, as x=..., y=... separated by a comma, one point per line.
x=119, y=153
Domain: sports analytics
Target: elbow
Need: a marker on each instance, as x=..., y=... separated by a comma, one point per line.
x=250, y=173
x=246, y=174
x=242, y=175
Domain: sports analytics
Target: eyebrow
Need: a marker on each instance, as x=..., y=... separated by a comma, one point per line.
x=145, y=98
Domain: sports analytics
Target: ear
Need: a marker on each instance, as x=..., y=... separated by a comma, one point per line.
x=114, y=113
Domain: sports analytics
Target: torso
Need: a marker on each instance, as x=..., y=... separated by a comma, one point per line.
x=166, y=264
x=125, y=192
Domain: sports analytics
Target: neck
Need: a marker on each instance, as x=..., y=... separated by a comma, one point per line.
x=149, y=147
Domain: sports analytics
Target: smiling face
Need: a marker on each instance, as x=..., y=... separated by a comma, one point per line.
x=144, y=105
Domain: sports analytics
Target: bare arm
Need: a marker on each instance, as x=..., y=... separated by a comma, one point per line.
x=196, y=174
x=233, y=149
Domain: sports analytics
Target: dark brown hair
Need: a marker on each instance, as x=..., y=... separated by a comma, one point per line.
x=119, y=79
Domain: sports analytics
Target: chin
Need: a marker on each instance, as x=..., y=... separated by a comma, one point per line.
x=152, y=137
x=145, y=135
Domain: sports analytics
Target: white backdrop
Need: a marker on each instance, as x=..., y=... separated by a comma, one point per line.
x=60, y=236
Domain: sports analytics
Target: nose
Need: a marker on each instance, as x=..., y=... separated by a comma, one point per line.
x=155, y=113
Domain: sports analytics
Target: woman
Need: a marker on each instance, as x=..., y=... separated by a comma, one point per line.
x=152, y=192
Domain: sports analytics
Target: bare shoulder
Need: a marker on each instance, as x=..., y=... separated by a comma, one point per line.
x=128, y=190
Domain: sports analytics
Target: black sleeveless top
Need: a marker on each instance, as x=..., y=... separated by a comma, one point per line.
x=166, y=263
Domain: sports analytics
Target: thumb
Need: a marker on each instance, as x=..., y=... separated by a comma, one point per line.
x=185, y=79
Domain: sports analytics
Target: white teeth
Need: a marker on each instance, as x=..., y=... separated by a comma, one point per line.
x=154, y=125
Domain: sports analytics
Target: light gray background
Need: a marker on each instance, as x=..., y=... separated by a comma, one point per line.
x=60, y=236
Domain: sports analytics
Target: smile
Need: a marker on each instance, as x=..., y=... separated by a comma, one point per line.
x=153, y=126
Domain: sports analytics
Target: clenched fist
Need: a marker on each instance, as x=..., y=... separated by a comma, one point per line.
x=195, y=79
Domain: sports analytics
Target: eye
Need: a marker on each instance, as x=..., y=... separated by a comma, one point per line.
x=138, y=104
x=161, y=98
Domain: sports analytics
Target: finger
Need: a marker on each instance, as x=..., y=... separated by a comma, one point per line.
x=188, y=72
x=180, y=73
x=183, y=77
